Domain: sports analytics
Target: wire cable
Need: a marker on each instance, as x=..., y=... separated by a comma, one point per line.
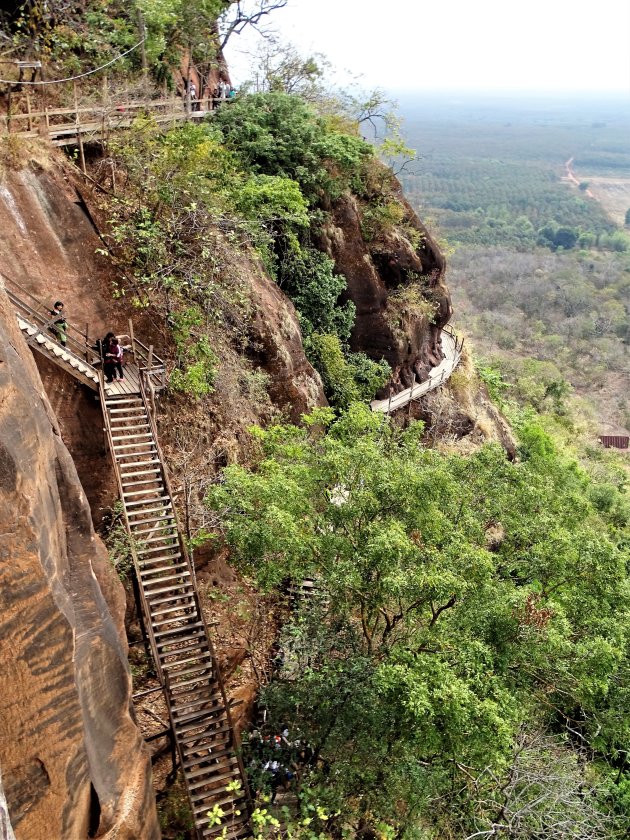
x=74, y=78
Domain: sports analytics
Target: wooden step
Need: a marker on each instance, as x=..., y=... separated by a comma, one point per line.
x=137, y=464
x=169, y=599
x=153, y=471
x=216, y=774
x=134, y=416
x=143, y=552
x=205, y=690
x=202, y=674
x=144, y=492
x=201, y=661
x=156, y=570
x=197, y=659
x=130, y=428
x=153, y=520
x=194, y=709
x=132, y=437
x=138, y=445
x=156, y=613
x=138, y=532
x=222, y=759
x=238, y=801
x=156, y=624
x=146, y=567
x=136, y=502
x=214, y=724
x=119, y=400
x=185, y=585
x=156, y=480
x=186, y=728
x=226, y=751
x=144, y=511
x=166, y=537
x=206, y=776
x=191, y=631
x=179, y=576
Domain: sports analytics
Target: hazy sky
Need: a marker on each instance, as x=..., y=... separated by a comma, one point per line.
x=463, y=44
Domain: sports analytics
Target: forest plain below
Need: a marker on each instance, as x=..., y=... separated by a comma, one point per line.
x=531, y=197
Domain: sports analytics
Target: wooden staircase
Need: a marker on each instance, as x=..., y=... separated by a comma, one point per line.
x=186, y=666
x=64, y=357
x=198, y=708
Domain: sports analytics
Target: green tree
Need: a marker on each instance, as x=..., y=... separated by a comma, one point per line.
x=465, y=597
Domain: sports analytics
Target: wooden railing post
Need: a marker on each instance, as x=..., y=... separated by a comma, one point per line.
x=29, y=122
x=133, y=342
x=77, y=121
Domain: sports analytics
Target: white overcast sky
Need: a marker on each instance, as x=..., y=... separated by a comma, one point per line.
x=534, y=45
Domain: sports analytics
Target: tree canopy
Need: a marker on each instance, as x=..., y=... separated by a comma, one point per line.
x=466, y=597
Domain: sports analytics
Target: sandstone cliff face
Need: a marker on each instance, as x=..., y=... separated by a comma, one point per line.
x=72, y=760
x=374, y=269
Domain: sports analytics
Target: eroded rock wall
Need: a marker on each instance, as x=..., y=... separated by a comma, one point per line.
x=378, y=267
x=72, y=759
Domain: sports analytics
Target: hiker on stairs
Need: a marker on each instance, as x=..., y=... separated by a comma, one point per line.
x=59, y=326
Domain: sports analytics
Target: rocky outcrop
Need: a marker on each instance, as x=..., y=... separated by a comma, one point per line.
x=72, y=760
x=378, y=267
x=276, y=342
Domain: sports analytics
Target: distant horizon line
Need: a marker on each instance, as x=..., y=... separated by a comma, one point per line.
x=505, y=93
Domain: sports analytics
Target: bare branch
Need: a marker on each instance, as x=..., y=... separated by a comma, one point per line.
x=240, y=15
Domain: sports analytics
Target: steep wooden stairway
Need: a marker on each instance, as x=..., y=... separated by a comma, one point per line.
x=198, y=707
x=62, y=356
x=186, y=665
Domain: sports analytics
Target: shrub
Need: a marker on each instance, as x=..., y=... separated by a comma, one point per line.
x=307, y=276
x=348, y=378
x=278, y=134
x=381, y=218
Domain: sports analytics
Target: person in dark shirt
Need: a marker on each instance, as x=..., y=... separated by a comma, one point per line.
x=59, y=326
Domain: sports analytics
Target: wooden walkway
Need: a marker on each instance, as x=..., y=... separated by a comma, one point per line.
x=202, y=730
x=452, y=349
x=93, y=123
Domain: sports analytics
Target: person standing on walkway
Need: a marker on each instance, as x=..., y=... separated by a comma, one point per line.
x=192, y=93
x=113, y=361
x=59, y=324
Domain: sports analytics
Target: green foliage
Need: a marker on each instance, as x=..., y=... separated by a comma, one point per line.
x=308, y=277
x=437, y=643
x=277, y=134
x=347, y=377
x=494, y=382
x=119, y=543
x=196, y=360
x=273, y=200
x=381, y=218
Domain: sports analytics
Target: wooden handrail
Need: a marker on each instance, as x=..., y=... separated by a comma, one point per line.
x=110, y=109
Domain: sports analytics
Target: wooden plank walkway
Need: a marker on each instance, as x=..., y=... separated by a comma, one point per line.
x=94, y=123
x=452, y=350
